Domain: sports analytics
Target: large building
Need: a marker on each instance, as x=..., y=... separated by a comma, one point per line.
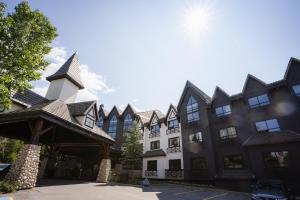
x=228, y=140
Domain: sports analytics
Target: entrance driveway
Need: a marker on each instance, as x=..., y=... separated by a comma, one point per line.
x=61, y=190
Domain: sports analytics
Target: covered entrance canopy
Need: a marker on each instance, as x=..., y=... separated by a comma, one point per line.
x=52, y=123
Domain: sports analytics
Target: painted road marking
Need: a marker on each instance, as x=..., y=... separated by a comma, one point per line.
x=212, y=197
x=187, y=192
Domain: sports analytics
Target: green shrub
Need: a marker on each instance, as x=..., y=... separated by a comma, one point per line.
x=7, y=186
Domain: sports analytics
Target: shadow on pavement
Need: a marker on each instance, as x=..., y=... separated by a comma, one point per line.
x=55, y=182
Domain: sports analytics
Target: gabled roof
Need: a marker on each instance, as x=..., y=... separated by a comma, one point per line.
x=28, y=98
x=291, y=62
x=145, y=116
x=272, y=138
x=80, y=108
x=197, y=91
x=118, y=111
x=154, y=153
x=102, y=109
x=128, y=107
x=171, y=107
x=58, y=110
x=70, y=70
x=219, y=90
x=251, y=77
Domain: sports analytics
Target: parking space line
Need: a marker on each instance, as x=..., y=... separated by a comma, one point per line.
x=212, y=197
x=187, y=192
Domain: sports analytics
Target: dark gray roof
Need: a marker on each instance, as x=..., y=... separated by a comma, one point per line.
x=58, y=109
x=80, y=108
x=154, y=153
x=69, y=70
x=28, y=97
x=272, y=138
x=145, y=116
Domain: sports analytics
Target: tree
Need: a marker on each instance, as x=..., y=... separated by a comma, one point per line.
x=25, y=39
x=132, y=149
x=9, y=149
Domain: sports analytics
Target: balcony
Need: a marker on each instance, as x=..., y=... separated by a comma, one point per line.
x=174, y=173
x=173, y=130
x=155, y=134
x=150, y=173
x=173, y=149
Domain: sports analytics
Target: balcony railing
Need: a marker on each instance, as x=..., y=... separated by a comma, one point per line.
x=150, y=173
x=173, y=130
x=152, y=135
x=174, y=173
x=173, y=149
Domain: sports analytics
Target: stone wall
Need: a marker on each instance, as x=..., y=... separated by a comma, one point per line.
x=24, y=170
x=104, y=171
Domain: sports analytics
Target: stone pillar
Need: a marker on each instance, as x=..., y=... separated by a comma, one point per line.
x=105, y=165
x=104, y=170
x=25, y=169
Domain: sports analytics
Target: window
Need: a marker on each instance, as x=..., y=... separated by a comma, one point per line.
x=175, y=165
x=276, y=159
x=155, y=145
x=173, y=124
x=223, y=110
x=196, y=137
x=227, y=133
x=100, y=122
x=152, y=165
x=258, y=101
x=89, y=122
x=127, y=123
x=233, y=162
x=174, y=142
x=198, y=164
x=296, y=89
x=155, y=128
x=192, y=110
x=112, y=130
x=90, y=119
x=267, y=126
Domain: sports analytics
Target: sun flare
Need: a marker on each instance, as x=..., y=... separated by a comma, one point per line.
x=196, y=20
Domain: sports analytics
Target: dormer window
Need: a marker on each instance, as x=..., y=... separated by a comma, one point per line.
x=223, y=110
x=259, y=101
x=192, y=110
x=112, y=130
x=100, y=122
x=127, y=123
x=155, y=128
x=90, y=119
x=296, y=89
x=172, y=124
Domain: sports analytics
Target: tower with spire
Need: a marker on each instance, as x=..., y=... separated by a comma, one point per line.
x=66, y=82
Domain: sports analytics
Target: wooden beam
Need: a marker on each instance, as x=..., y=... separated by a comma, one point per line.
x=35, y=136
x=47, y=129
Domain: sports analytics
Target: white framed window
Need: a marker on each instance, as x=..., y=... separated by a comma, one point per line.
x=192, y=110
x=267, y=126
x=223, y=110
x=296, y=89
x=227, y=133
x=259, y=101
x=195, y=137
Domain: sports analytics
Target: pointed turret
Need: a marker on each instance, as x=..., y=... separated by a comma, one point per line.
x=65, y=83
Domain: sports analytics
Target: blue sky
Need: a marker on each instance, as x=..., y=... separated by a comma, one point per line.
x=139, y=51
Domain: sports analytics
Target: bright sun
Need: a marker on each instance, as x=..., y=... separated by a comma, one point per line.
x=196, y=20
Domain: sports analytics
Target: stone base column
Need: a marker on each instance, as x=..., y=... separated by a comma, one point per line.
x=24, y=170
x=104, y=171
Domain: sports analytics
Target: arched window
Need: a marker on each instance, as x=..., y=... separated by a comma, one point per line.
x=192, y=110
x=127, y=122
x=100, y=122
x=112, y=130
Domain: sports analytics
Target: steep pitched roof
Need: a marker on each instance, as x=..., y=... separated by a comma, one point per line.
x=291, y=62
x=251, y=77
x=102, y=109
x=70, y=70
x=80, y=108
x=28, y=98
x=128, y=107
x=272, y=138
x=171, y=107
x=219, y=90
x=119, y=112
x=200, y=93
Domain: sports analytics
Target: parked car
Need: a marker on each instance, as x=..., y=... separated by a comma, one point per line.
x=4, y=168
x=271, y=190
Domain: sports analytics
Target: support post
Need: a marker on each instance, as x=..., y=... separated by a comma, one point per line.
x=105, y=165
x=24, y=170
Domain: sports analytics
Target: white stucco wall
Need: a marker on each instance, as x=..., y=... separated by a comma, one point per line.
x=162, y=161
x=62, y=89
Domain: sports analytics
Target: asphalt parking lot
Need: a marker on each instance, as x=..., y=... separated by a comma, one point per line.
x=88, y=191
